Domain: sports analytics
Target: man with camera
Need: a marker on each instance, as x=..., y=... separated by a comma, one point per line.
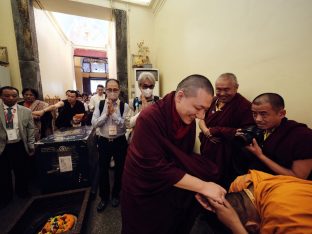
x=228, y=112
x=286, y=148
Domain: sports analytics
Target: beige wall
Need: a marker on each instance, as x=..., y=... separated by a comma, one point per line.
x=267, y=44
x=7, y=39
x=55, y=57
x=141, y=28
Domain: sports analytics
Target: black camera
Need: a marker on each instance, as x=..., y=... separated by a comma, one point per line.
x=248, y=134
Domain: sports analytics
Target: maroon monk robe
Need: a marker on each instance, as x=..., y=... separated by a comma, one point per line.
x=223, y=124
x=160, y=154
x=288, y=142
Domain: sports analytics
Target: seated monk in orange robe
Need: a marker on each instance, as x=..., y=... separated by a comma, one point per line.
x=266, y=203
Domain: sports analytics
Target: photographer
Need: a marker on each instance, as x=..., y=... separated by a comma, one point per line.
x=286, y=147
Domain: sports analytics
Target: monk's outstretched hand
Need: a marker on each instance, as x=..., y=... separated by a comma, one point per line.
x=213, y=191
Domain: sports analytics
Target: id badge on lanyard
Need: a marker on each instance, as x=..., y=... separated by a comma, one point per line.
x=112, y=130
x=12, y=134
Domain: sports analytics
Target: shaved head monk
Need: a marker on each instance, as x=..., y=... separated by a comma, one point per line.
x=263, y=203
x=287, y=148
x=162, y=174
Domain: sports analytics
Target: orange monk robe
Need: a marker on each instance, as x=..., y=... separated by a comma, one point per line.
x=284, y=203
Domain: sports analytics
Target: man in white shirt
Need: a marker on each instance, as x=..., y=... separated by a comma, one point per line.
x=16, y=144
x=109, y=117
x=97, y=97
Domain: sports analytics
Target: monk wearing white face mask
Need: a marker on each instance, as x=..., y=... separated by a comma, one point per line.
x=146, y=82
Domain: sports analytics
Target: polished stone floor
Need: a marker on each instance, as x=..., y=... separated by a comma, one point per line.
x=108, y=221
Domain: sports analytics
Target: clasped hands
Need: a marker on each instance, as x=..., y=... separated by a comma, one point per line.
x=110, y=107
x=212, y=198
x=211, y=191
x=225, y=212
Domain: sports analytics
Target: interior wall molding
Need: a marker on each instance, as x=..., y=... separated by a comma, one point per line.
x=157, y=5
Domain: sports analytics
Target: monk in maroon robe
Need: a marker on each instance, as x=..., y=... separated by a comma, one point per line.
x=229, y=111
x=162, y=174
x=287, y=145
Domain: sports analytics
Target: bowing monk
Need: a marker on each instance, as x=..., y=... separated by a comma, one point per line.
x=263, y=203
x=162, y=174
x=287, y=148
x=229, y=112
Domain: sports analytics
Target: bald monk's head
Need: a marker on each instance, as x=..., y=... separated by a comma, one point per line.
x=246, y=210
x=275, y=100
x=193, y=98
x=268, y=110
x=226, y=87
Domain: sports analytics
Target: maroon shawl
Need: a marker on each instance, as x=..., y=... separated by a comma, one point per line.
x=157, y=159
x=223, y=124
x=289, y=142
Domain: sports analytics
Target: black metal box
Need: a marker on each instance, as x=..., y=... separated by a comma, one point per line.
x=41, y=208
x=64, y=160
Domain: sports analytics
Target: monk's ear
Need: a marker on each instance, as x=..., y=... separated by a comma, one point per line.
x=179, y=95
x=252, y=227
x=282, y=113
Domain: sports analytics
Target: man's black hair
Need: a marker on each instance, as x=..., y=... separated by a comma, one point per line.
x=8, y=87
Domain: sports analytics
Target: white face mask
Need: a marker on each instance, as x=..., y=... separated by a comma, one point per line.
x=112, y=96
x=147, y=92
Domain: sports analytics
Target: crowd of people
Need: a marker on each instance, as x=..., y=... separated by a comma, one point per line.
x=162, y=185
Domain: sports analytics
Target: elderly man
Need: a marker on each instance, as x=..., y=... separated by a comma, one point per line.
x=287, y=148
x=146, y=82
x=162, y=173
x=16, y=144
x=262, y=203
x=229, y=112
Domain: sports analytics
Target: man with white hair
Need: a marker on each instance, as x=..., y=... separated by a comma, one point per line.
x=146, y=82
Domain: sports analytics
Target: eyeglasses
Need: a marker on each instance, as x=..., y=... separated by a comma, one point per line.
x=148, y=86
x=112, y=90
